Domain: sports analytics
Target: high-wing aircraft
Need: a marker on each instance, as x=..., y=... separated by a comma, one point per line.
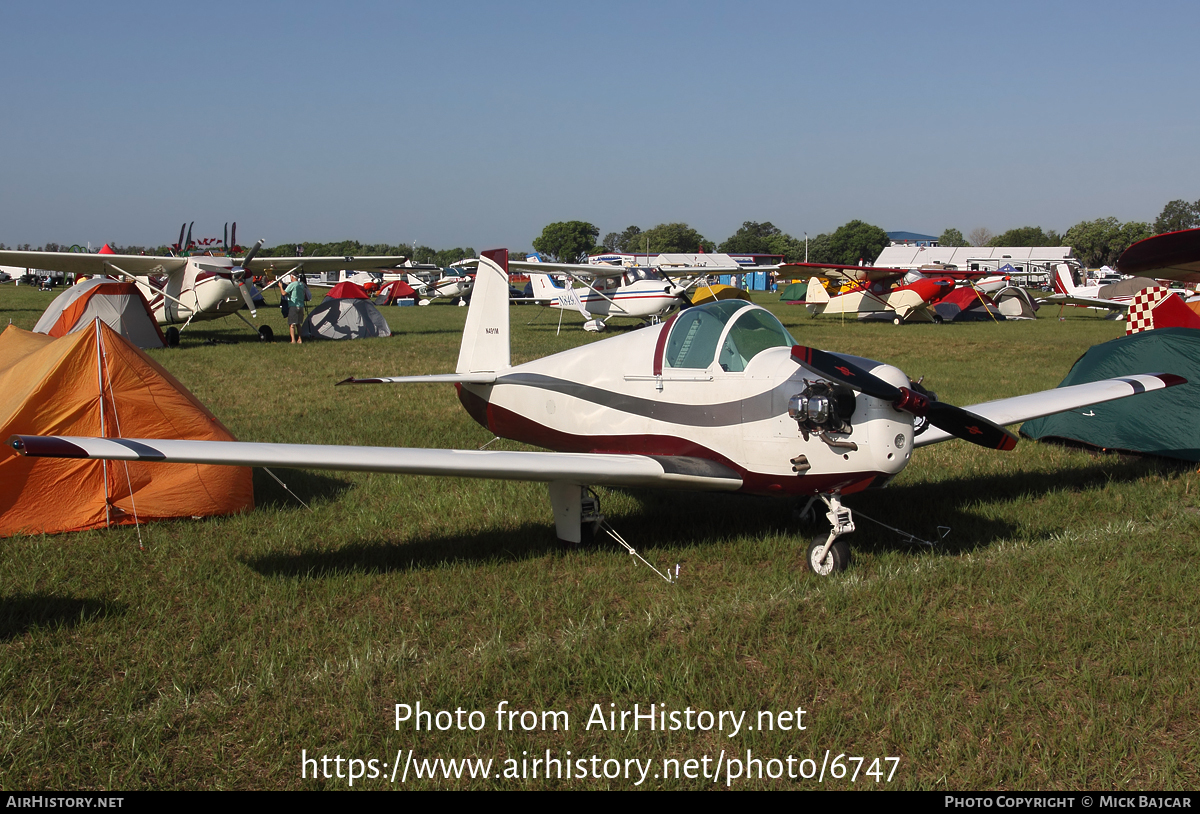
x=719, y=397
x=1116, y=297
x=612, y=291
x=189, y=288
x=870, y=291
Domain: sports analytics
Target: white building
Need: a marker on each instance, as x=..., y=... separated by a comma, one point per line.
x=1033, y=263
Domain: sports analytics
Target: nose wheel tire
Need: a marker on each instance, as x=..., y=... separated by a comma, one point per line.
x=836, y=559
x=265, y=334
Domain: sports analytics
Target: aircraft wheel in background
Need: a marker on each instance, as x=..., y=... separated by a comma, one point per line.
x=172, y=337
x=898, y=321
x=836, y=560
x=265, y=334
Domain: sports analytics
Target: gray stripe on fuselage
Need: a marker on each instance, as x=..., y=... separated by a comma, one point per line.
x=755, y=408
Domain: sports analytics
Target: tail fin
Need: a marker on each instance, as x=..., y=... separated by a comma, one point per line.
x=485, y=343
x=1157, y=307
x=817, y=294
x=1064, y=281
x=543, y=287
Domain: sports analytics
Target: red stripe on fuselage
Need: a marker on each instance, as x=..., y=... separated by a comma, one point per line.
x=507, y=424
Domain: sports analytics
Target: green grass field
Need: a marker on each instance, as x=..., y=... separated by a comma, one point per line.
x=1048, y=643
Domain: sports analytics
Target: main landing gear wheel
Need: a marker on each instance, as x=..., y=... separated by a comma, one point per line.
x=836, y=559
x=265, y=334
x=898, y=321
x=172, y=337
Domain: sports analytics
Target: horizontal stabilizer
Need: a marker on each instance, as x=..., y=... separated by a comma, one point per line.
x=465, y=378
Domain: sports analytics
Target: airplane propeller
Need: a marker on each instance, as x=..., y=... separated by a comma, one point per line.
x=677, y=290
x=237, y=275
x=958, y=422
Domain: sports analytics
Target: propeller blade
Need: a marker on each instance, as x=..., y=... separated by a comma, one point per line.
x=233, y=246
x=188, y=245
x=253, y=251
x=250, y=302
x=179, y=245
x=225, y=240
x=833, y=367
x=966, y=425
x=955, y=420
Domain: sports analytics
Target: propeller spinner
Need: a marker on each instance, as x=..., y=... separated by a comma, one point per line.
x=958, y=422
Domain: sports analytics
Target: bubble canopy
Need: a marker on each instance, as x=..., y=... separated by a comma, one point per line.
x=729, y=333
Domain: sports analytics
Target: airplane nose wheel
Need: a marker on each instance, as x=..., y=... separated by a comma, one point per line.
x=836, y=559
x=265, y=334
x=827, y=554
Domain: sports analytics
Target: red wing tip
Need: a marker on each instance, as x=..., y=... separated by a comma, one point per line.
x=1170, y=379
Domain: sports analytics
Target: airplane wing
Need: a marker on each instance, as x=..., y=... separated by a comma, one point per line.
x=317, y=265
x=1035, y=405
x=579, y=468
x=1170, y=256
x=84, y=263
x=1090, y=302
x=856, y=273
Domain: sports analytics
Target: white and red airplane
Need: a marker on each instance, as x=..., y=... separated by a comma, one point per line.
x=871, y=291
x=720, y=397
x=190, y=288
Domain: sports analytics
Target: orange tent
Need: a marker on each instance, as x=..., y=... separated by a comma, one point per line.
x=96, y=383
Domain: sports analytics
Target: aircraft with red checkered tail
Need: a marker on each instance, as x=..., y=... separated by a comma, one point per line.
x=720, y=397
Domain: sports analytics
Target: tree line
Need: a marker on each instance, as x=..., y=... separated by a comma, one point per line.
x=1095, y=242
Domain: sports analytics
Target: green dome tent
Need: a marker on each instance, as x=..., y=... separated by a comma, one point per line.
x=1166, y=423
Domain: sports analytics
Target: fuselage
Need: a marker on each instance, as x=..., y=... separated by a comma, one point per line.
x=712, y=383
x=201, y=294
x=613, y=297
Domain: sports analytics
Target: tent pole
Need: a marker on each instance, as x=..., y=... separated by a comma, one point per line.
x=103, y=434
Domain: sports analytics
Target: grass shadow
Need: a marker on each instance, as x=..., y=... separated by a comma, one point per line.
x=527, y=542
x=306, y=484
x=24, y=612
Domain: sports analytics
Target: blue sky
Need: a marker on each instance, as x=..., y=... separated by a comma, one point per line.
x=475, y=124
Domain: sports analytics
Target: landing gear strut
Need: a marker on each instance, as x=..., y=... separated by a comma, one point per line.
x=829, y=555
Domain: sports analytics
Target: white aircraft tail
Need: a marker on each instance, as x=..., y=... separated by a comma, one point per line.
x=485, y=343
x=543, y=287
x=817, y=295
x=1064, y=280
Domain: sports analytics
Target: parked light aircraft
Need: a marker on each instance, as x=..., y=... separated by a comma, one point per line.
x=1115, y=297
x=613, y=291
x=187, y=288
x=870, y=291
x=720, y=397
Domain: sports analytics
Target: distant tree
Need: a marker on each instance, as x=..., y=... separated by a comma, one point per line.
x=752, y=238
x=567, y=241
x=855, y=241
x=517, y=255
x=953, y=238
x=448, y=257
x=622, y=241
x=1100, y=242
x=980, y=236
x=1177, y=215
x=819, y=250
x=671, y=238
x=1026, y=236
